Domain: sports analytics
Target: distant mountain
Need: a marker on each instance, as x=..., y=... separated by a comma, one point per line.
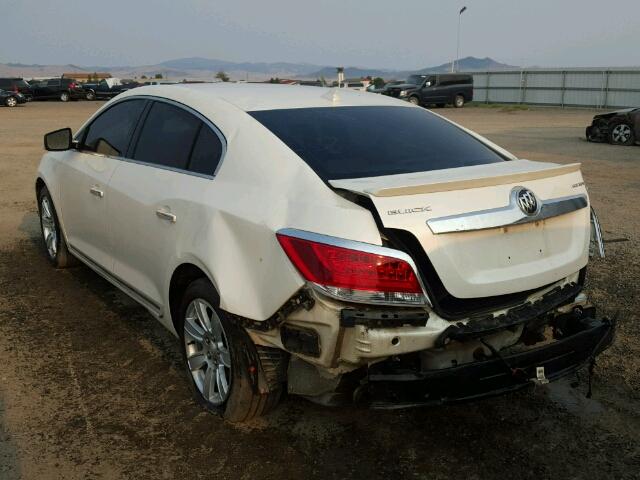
x=206, y=68
x=467, y=64
x=212, y=65
x=470, y=64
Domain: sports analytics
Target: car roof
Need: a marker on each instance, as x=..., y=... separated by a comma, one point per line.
x=252, y=97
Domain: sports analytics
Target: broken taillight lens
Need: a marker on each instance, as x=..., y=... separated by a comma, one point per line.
x=352, y=274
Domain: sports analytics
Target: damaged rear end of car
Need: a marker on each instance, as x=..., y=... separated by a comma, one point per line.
x=476, y=285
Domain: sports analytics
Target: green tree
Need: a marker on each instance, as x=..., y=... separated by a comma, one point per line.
x=143, y=77
x=378, y=82
x=158, y=76
x=222, y=76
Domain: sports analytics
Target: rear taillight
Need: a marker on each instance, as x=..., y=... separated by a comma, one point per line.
x=353, y=271
x=72, y=86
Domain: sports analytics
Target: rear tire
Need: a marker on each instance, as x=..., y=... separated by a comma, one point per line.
x=458, y=101
x=54, y=243
x=11, y=102
x=621, y=134
x=220, y=358
x=91, y=95
x=65, y=97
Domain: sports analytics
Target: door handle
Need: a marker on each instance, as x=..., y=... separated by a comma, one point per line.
x=164, y=215
x=96, y=191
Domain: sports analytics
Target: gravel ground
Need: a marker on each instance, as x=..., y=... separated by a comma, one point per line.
x=91, y=386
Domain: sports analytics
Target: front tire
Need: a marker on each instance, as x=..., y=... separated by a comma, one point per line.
x=64, y=97
x=54, y=242
x=622, y=134
x=219, y=358
x=414, y=100
x=458, y=101
x=11, y=102
x=91, y=95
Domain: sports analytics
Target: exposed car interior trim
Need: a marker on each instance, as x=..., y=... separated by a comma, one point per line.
x=142, y=299
x=355, y=245
x=506, y=216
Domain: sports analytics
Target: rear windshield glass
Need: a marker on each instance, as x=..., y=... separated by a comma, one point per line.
x=355, y=142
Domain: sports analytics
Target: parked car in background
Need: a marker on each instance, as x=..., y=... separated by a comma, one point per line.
x=108, y=88
x=373, y=89
x=431, y=89
x=63, y=89
x=18, y=85
x=621, y=127
x=294, y=239
x=11, y=99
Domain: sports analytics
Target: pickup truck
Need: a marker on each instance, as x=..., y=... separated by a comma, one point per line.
x=107, y=88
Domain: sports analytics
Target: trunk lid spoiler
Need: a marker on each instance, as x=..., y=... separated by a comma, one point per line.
x=461, y=178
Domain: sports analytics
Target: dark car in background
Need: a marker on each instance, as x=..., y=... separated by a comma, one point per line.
x=108, y=88
x=11, y=99
x=17, y=85
x=63, y=89
x=435, y=89
x=621, y=127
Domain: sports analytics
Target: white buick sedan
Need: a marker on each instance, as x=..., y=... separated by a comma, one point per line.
x=337, y=245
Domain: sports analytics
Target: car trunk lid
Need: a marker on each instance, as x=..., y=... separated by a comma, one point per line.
x=469, y=223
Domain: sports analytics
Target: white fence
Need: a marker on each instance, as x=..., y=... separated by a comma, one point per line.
x=566, y=88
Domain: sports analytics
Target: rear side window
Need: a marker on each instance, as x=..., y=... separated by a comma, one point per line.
x=109, y=133
x=206, y=152
x=167, y=136
x=370, y=141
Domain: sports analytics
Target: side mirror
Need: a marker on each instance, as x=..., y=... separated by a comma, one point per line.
x=59, y=140
x=427, y=84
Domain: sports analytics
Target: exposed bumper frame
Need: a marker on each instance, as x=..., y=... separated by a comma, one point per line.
x=390, y=388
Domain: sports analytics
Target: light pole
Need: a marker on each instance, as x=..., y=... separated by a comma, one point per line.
x=454, y=64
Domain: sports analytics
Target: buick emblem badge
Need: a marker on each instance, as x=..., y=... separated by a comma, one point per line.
x=527, y=201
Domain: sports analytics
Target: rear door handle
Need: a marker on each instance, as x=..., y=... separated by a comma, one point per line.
x=96, y=191
x=164, y=215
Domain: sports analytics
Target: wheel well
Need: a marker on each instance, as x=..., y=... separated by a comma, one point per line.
x=39, y=186
x=180, y=280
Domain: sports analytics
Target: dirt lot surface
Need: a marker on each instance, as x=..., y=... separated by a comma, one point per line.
x=92, y=387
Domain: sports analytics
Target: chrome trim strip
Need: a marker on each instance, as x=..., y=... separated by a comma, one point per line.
x=142, y=299
x=360, y=246
x=506, y=216
x=596, y=231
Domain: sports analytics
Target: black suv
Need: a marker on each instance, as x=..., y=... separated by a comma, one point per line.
x=438, y=89
x=16, y=85
x=63, y=89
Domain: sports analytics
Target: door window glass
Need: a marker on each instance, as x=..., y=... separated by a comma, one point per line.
x=206, y=152
x=167, y=136
x=109, y=134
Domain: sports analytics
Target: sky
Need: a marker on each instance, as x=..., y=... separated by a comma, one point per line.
x=394, y=34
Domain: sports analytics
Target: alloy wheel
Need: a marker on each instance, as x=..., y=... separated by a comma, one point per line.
x=11, y=102
x=49, y=230
x=621, y=133
x=64, y=96
x=207, y=351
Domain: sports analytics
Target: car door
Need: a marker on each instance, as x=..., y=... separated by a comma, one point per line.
x=87, y=171
x=430, y=91
x=52, y=89
x=157, y=197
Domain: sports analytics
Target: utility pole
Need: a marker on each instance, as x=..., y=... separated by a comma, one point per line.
x=454, y=64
